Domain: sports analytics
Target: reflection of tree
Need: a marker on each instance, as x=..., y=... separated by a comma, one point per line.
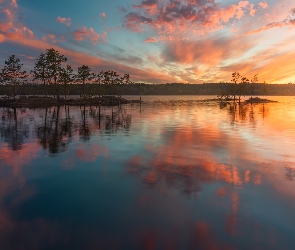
x=246, y=112
x=66, y=125
x=242, y=112
x=55, y=128
x=13, y=130
x=111, y=120
x=84, y=130
x=52, y=132
x=43, y=131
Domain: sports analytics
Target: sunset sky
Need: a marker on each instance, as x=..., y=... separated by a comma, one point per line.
x=157, y=41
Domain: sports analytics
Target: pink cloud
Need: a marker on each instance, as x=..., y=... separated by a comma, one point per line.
x=252, y=10
x=103, y=15
x=2, y=38
x=149, y=6
x=14, y=3
x=66, y=21
x=50, y=37
x=85, y=33
x=263, y=5
x=243, y=4
x=150, y=40
x=10, y=27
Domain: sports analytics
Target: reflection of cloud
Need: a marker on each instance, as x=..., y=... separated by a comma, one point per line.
x=18, y=159
x=176, y=164
x=68, y=164
x=88, y=154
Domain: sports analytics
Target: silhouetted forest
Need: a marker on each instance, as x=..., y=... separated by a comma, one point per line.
x=51, y=76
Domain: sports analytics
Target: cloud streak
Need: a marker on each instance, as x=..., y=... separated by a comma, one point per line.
x=289, y=21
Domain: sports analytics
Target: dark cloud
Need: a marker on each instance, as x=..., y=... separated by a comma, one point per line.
x=178, y=14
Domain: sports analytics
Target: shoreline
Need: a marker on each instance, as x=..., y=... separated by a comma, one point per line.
x=45, y=102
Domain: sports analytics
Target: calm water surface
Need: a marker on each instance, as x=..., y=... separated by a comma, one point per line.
x=173, y=173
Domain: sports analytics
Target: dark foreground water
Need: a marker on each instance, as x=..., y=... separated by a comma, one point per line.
x=172, y=173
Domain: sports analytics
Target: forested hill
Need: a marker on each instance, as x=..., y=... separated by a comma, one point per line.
x=154, y=89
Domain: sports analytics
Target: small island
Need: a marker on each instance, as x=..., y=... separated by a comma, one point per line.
x=258, y=100
x=43, y=102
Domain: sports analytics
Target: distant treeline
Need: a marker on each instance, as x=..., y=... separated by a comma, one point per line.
x=152, y=89
x=51, y=76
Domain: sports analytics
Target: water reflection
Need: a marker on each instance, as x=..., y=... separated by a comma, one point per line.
x=12, y=128
x=246, y=112
x=55, y=127
x=183, y=176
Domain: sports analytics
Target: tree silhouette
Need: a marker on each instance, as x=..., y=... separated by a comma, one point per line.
x=235, y=77
x=65, y=77
x=126, y=79
x=41, y=71
x=99, y=80
x=242, y=87
x=54, y=63
x=12, y=73
x=84, y=76
x=252, y=86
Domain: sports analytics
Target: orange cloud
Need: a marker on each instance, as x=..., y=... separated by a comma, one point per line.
x=85, y=33
x=208, y=52
x=2, y=38
x=103, y=15
x=263, y=5
x=150, y=40
x=267, y=65
x=252, y=10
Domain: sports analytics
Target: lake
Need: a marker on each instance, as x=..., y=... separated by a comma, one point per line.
x=171, y=173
